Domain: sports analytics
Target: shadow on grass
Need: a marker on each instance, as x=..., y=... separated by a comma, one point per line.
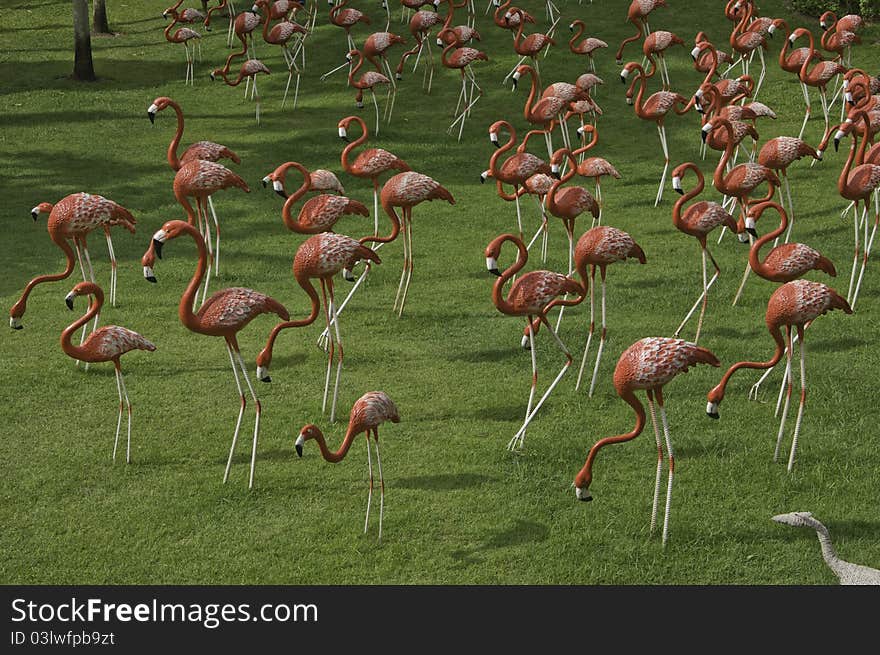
x=244, y=457
x=444, y=481
x=521, y=533
x=493, y=355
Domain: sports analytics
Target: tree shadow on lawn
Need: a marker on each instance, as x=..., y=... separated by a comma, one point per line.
x=244, y=456
x=521, y=533
x=444, y=481
x=478, y=356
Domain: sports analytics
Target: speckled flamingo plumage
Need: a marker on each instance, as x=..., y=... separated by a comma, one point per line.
x=597, y=167
x=648, y=364
x=370, y=162
x=202, y=178
x=508, y=18
x=346, y=17
x=782, y=151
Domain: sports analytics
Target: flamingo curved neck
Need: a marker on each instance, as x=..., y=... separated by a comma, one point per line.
x=346, y=152
x=77, y=352
x=493, y=160
x=803, y=74
x=776, y=333
x=173, y=159
x=527, y=109
x=829, y=554
x=759, y=266
x=577, y=35
x=718, y=178
x=293, y=224
x=339, y=455
x=594, y=139
x=642, y=80
x=187, y=300
x=688, y=195
x=497, y=290
x=552, y=207
x=265, y=356
x=19, y=307
x=740, y=27
x=585, y=475
x=354, y=71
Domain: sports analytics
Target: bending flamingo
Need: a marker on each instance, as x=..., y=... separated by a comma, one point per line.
x=106, y=344
x=648, y=364
x=369, y=80
x=74, y=217
x=367, y=414
x=637, y=14
x=249, y=69
x=321, y=256
x=207, y=150
x=599, y=247
x=224, y=314
x=794, y=304
x=586, y=47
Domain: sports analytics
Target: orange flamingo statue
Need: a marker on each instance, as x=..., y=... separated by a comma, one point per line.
x=368, y=412
x=532, y=296
x=224, y=314
x=697, y=221
x=106, y=344
x=406, y=190
x=74, y=217
x=655, y=109
x=794, y=304
x=648, y=364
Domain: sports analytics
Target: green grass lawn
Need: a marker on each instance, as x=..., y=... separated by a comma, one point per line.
x=460, y=508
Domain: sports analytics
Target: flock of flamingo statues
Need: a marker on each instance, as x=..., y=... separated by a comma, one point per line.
x=648, y=364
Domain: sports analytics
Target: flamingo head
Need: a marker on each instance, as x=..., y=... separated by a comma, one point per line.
x=81, y=289
x=706, y=129
x=43, y=207
x=309, y=431
x=582, y=486
x=714, y=398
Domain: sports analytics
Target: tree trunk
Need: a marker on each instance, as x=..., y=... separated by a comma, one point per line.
x=205, y=7
x=99, y=18
x=82, y=64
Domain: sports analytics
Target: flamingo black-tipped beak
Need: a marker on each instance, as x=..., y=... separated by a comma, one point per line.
x=753, y=232
x=345, y=138
x=622, y=78
x=68, y=300
x=212, y=76
x=679, y=190
x=712, y=410
x=836, y=144
x=713, y=415
x=299, y=449
x=495, y=271
x=556, y=175
x=15, y=323
x=703, y=136
x=35, y=215
x=157, y=247
x=151, y=116
x=281, y=192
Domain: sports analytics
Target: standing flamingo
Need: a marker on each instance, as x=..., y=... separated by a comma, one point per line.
x=249, y=69
x=648, y=364
x=369, y=164
x=794, y=304
x=224, y=314
x=406, y=190
x=530, y=46
x=375, y=48
x=746, y=42
x=817, y=76
x=697, y=221
x=542, y=112
x=321, y=256
x=599, y=247
x=637, y=14
x=230, y=12
x=74, y=217
x=369, y=80
x=281, y=35
x=570, y=202
x=183, y=35
x=320, y=181
x=367, y=414
x=346, y=18
x=461, y=58
x=318, y=214
x=586, y=47
x=201, y=179
x=656, y=43
x=515, y=170
x=532, y=296
x=655, y=109
x=107, y=344
x=419, y=27
x=506, y=17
